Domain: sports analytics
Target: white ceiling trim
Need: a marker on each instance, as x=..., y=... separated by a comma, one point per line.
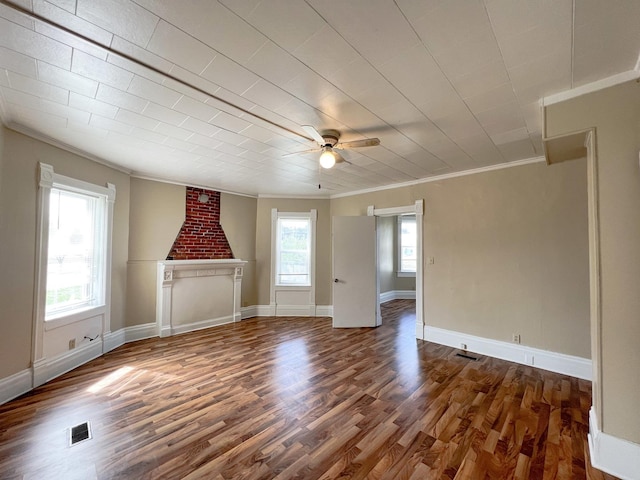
x=182, y=184
x=591, y=87
x=293, y=197
x=490, y=168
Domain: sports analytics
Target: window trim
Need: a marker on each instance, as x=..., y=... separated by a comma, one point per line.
x=278, y=249
x=47, y=180
x=311, y=289
x=399, y=271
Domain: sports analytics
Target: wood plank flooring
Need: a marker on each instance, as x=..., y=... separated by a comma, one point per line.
x=292, y=398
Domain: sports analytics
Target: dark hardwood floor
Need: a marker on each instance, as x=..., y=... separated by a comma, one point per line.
x=292, y=398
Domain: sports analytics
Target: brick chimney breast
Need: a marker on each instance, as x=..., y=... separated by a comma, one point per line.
x=201, y=236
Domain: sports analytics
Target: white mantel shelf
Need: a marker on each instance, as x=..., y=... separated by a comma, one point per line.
x=195, y=294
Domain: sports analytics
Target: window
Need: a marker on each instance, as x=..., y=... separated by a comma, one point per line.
x=76, y=251
x=293, y=251
x=74, y=240
x=407, y=243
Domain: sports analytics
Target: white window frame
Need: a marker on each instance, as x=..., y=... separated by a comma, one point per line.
x=278, y=280
x=400, y=272
x=48, y=179
x=310, y=289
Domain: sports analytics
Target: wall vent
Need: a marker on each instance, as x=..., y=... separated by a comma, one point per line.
x=79, y=433
x=468, y=357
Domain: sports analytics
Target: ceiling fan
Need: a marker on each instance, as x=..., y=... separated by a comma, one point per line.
x=328, y=143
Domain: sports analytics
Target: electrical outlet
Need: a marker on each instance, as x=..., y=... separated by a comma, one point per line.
x=72, y=344
x=516, y=338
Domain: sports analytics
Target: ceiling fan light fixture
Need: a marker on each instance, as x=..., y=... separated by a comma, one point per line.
x=327, y=158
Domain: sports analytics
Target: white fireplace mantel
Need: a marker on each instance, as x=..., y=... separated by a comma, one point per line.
x=195, y=294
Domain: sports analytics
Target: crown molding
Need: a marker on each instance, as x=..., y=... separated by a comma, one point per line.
x=591, y=87
x=292, y=197
x=437, y=178
x=183, y=184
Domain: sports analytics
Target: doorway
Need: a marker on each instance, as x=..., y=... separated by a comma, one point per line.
x=416, y=209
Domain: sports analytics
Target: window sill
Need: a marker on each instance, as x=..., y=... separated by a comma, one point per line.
x=66, y=318
x=406, y=274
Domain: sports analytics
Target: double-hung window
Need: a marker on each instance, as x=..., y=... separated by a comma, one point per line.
x=76, y=251
x=407, y=245
x=293, y=251
x=75, y=221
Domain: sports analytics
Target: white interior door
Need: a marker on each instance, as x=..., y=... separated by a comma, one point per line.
x=355, y=272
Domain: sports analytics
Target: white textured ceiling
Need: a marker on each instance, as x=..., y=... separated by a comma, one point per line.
x=446, y=85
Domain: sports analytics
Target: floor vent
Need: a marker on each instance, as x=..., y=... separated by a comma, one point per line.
x=468, y=357
x=79, y=433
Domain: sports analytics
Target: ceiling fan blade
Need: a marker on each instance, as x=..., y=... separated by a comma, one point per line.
x=339, y=158
x=313, y=133
x=367, y=142
x=293, y=154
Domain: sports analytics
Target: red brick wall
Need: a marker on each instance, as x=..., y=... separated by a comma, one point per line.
x=201, y=235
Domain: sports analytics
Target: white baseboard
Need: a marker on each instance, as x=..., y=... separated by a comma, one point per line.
x=546, y=360
x=324, y=310
x=15, y=385
x=287, y=311
x=265, y=310
x=295, y=310
x=118, y=338
x=613, y=455
x=249, y=312
x=190, y=327
x=396, y=295
x=49, y=368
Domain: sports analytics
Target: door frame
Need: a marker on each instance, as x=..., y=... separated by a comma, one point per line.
x=418, y=209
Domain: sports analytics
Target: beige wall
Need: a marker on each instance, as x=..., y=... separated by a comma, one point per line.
x=323, y=244
x=510, y=249
x=238, y=219
x=18, y=191
x=157, y=213
x=386, y=252
x=615, y=112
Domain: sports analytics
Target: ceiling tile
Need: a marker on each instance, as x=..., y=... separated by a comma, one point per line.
x=17, y=62
x=275, y=64
x=492, y=98
x=286, y=23
x=196, y=109
x=213, y=23
x=325, y=52
x=68, y=5
x=38, y=88
x=34, y=45
x=110, y=124
x=165, y=114
x=99, y=70
x=118, y=98
x=171, y=44
x=66, y=79
x=199, y=126
x=72, y=22
x=135, y=119
x=267, y=95
x=229, y=74
x=152, y=91
x=377, y=30
x=91, y=105
x=173, y=131
x=122, y=17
